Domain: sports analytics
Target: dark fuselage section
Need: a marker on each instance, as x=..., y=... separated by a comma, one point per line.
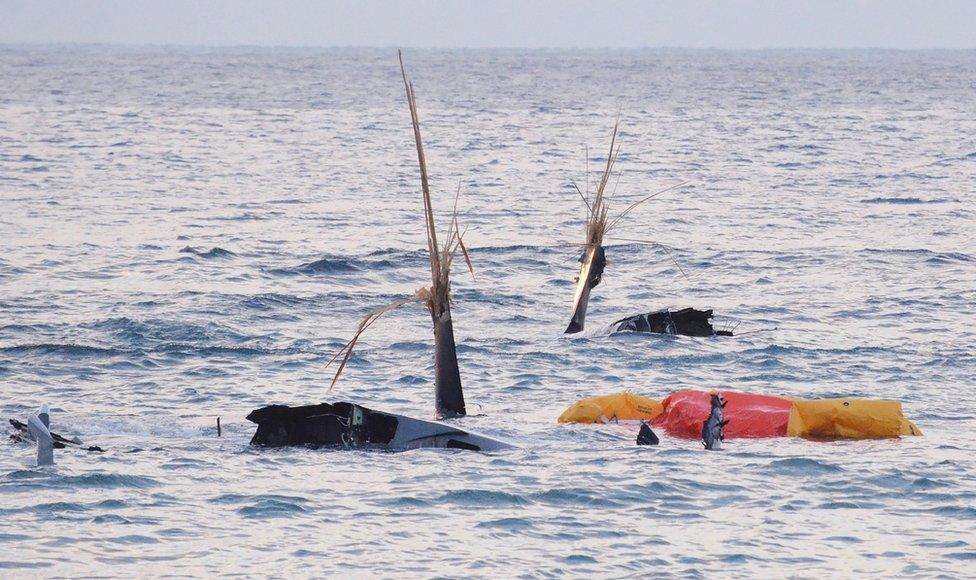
x=686, y=322
x=350, y=426
x=320, y=425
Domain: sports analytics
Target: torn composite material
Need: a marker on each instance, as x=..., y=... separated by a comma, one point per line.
x=593, y=261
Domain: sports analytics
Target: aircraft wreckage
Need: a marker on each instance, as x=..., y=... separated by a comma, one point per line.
x=593, y=261
x=348, y=425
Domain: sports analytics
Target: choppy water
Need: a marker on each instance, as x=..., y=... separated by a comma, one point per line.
x=189, y=234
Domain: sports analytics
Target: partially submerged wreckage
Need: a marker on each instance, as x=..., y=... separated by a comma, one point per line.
x=37, y=429
x=347, y=425
x=593, y=261
x=712, y=416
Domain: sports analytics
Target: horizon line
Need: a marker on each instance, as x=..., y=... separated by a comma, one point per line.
x=4, y=44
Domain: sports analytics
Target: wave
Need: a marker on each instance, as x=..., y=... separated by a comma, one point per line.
x=205, y=351
x=390, y=258
x=138, y=332
x=510, y=524
x=907, y=200
x=264, y=506
x=483, y=498
x=24, y=478
x=273, y=300
x=376, y=260
x=181, y=349
x=69, y=349
x=933, y=256
x=490, y=250
x=215, y=252
x=329, y=266
x=801, y=466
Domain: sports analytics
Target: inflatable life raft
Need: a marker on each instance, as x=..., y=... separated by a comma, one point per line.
x=683, y=412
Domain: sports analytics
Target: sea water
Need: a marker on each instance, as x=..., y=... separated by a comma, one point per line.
x=188, y=234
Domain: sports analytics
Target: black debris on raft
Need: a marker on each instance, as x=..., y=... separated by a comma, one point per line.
x=686, y=322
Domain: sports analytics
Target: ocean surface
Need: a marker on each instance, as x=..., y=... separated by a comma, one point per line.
x=188, y=234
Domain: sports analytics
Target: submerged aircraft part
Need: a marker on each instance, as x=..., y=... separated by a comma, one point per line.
x=646, y=435
x=592, y=263
x=349, y=426
x=37, y=425
x=713, y=428
x=448, y=395
x=22, y=434
x=37, y=429
x=685, y=322
x=689, y=322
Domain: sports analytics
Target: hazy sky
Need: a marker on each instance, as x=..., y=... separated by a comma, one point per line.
x=498, y=23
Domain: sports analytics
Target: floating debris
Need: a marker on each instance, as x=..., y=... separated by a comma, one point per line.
x=646, y=435
x=713, y=428
x=593, y=261
x=38, y=430
x=350, y=426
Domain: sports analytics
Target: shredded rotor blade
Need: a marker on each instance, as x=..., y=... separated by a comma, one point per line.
x=453, y=227
x=668, y=249
x=637, y=203
x=673, y=259
x=425, y=186
x=613, y=193
x=467, y=258
x=647, y=242
x=586, y=168
x=346, y=351
x=611, y=159
x=458, y=234
x=583, y=197
x=596, y=222
x=457, y=195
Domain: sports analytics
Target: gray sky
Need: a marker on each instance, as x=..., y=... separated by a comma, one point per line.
x=497, y=23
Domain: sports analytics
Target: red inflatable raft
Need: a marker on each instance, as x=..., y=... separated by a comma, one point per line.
x=748, y=415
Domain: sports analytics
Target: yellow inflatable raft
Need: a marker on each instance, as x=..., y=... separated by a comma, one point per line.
x=848, y=419
x=616, y=407
x=682, y=414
